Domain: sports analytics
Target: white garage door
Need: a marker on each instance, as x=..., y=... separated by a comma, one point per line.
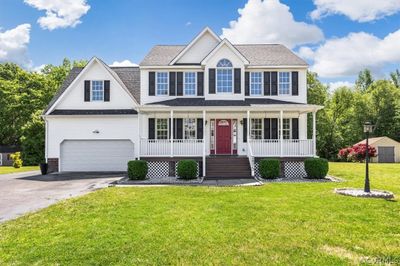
x=385, y=154
x=95, y=155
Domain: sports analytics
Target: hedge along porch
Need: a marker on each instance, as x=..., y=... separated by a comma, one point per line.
x=200, y=132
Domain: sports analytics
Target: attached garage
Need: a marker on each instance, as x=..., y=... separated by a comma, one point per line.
x=388, y=150
x=95, y=155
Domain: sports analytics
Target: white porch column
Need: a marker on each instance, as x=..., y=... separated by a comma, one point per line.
x=204, y=142
x=172, y=133
x=281, y=131
x=140, y=135
x=314, y=132
x=248, y=127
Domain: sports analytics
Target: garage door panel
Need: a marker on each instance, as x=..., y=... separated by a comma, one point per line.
x=96, y=155
x=386, y=154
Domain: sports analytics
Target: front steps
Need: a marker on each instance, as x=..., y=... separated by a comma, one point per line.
x=227, y=167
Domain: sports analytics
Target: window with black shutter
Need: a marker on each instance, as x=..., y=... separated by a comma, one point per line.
x=274, y=83
x=237, y=80
x=295, y=128
x=200, y=83
x=106, y=90
x=211, y=81
x=152, y=83
x=172, y=83
x=87, y=91
x=152, y=126
x=247, y=84
x=295, y=83
x=244, y=130
x=179, y=83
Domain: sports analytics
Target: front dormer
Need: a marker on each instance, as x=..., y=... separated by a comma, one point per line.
x=215, y=69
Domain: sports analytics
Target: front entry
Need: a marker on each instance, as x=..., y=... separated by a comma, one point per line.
x=224, y=136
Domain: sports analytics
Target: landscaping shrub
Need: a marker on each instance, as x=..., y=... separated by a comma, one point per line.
x=137, y=170
x=16, y=158
x=316, y=167
x=187, y=169
x=357, y=153
x=269, y=168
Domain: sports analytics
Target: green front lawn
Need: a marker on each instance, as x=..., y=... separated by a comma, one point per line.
x=274, y=224
x=10, y=169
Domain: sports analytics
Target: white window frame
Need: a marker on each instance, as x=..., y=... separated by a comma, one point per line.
x=162, y=95
x=251, y=128
x=290, y=84
x=184, y=128
x=289, y=129
x=1, y=159
x=156, y=127
x=91, y=90
x=262, y=83
x=195, y=83
x=216, y=77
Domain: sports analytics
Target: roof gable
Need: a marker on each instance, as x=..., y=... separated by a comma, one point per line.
x=225, y=43
x=198, y=48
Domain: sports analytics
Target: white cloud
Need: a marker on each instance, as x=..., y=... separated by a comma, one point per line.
x=270, y=21
x=38, y=69
x=124, y=63
x=13, y=45
x=348, y=55
x=188, y=24
x=357, y=10
x=335, y=85
x=60, y=13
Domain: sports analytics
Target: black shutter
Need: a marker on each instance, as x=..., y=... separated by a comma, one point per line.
x=267, y=83
x=200, y=83
x=169, y=128
x=267, y=128
x=274, y=128
x=179, y=83
x=244, y=130
x=211, y=80
x=179, y=128
x=172, y=82
x=106, y=90
x=295, y=83
x=152, y=127
x=274, y=83
x=152, y=83
x=246, y=83
x=199, y=128
x=295, y=128
x=87, y=91
x=238, y=82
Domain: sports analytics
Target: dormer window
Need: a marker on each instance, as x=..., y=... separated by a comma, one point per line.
x=97, y=92
x=224, y=76
x=162, y=83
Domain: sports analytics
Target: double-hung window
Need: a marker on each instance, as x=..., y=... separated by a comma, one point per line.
x=97, y=92
x=224, y=76
x=162, y=83
x=284, y=83
x=189, y=83
x=285, y=128
x=189, y=128
x=161, y=128
x=256, y=83
x=256, y=128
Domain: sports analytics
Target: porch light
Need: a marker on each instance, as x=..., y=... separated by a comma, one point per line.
x=241, y=122
x=96, y=131
x=368, y=128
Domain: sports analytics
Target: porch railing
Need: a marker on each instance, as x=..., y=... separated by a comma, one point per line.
x=289, y=147
x=163, y=147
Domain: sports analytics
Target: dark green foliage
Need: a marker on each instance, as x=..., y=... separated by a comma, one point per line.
x=269, y=168
x=316, y=167
x=187, y=169
x=137, y=170
x=32, y=140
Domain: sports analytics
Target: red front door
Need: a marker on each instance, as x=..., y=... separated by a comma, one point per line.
x=224, y=136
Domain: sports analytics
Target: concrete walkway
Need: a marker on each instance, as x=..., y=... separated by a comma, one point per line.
x=21, y=193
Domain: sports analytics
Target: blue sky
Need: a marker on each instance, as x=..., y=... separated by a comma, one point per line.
x=126, y=30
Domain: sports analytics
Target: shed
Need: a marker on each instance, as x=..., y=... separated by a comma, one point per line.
x=5, y=153
x=388, y=150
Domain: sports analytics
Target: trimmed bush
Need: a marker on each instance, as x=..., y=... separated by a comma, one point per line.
x=269, y=168
x=316, y=167
x=137, y=170
x=187, y=169
x=16, y=158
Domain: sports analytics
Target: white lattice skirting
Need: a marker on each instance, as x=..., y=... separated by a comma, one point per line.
x=292, y=169
x=159, y=169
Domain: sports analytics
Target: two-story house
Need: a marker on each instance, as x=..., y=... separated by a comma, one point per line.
x=221, y=104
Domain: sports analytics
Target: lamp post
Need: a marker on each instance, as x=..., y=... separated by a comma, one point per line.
x=368, y=127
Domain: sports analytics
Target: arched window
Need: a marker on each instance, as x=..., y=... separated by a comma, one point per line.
x=224, y=76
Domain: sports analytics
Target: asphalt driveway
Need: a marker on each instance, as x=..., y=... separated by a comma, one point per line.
x=26, y=192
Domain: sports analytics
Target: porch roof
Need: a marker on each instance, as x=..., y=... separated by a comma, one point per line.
x=263, y=104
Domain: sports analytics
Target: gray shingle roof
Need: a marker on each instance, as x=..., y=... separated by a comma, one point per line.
x=256, y=54
x=203, y=102
x=95, y=112
x=130, y=76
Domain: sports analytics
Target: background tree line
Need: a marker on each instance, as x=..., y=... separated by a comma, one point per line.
x=24, y=95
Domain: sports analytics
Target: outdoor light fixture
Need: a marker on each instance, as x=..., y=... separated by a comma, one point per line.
x=241, y=122
x=368, y=128
x=96, y=131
